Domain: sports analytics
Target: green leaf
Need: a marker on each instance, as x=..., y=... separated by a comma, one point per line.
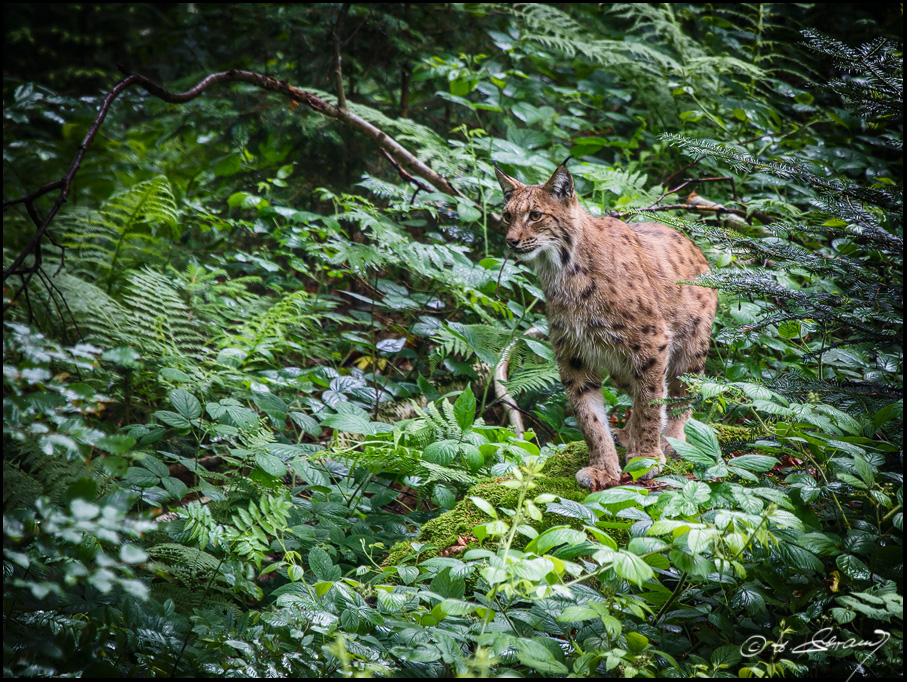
x=465, y=408
x=574, y=614
x=853, y=567
x=115, y=445
x=309, y=473
x=553, y=537
x=122, y=356
x=444, y=497
x=818, y=543
x=702, y=437
x=448, y=587
x=484, y=506
x=472, y=456
x=407, y=573
x=456, y=607
x=185, y=403
x=636, y=642
x=789, y=329
x=350, y=419
x=270, y=464
x=754, y=462
x=864, y=470
x=174, y=374
x=645, y=545
x=691, y=453
x=632, y=568
x=175, y=487
x=172, y=419
x=229, y=165
x=306, y=423
x=441, y=452
x=321, y=565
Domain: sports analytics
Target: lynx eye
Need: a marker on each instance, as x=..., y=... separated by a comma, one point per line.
x=534, y=215
x=506, y=216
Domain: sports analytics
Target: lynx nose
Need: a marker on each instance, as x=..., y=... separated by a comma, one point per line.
x=512, y=243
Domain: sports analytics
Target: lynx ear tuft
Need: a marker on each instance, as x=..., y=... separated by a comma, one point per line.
x=560, y=184
x=507, y=183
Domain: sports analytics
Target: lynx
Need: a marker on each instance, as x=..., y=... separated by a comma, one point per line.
x=613, y=304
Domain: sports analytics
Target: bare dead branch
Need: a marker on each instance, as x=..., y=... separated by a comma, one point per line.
x=393, y=148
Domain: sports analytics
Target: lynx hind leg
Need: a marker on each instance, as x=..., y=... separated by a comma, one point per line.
x=692, y=362
x=647, y=421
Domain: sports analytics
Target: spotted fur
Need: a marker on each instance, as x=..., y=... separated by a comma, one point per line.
x=613, y=304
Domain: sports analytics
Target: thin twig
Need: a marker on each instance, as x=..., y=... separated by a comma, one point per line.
x=686, y=207
x=499, y=376
x=338, y=71
x=667, y=181
x=406, y=176
x=501, y=272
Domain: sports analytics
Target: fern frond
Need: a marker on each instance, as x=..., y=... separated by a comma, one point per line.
x=158, y=319
x=533, y=377
x=121, y=232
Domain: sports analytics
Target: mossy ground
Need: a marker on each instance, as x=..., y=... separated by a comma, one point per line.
x=445, y=530
x=558, y=478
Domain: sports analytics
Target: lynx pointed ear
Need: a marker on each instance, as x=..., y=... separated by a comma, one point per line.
x=507, y=183
x=560, y=184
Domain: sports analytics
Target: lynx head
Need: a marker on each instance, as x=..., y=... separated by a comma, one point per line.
x=539, y=218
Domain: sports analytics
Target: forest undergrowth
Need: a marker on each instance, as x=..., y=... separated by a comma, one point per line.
x=252, y=425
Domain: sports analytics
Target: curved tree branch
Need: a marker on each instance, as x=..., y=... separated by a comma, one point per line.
x=387, y=143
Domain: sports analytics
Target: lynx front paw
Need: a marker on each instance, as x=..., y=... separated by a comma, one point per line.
x=596, y=479
x=658, y=456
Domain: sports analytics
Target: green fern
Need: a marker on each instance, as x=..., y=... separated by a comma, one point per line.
x=536, y=377
x=158, y=319
x=121, y=233
x=292, y=321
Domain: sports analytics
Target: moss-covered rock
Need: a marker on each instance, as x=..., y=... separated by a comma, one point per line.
x=558, y=478
x=728, y=433
x=445, y=530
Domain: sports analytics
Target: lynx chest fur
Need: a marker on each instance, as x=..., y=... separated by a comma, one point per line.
x=613, y=305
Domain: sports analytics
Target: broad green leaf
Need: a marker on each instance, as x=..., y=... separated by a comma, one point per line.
x=853, y=567
x=321, y=565
x=270, y=464
x=753, y=462
x=691, y=453
x=465, y=408
x=349, y=418
x=172, y=419
x=553, y=537
x=632, y=568
x=407, y=574
x=441, y=452
x=185, y=403
x=702, y=436
x=484, y=506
